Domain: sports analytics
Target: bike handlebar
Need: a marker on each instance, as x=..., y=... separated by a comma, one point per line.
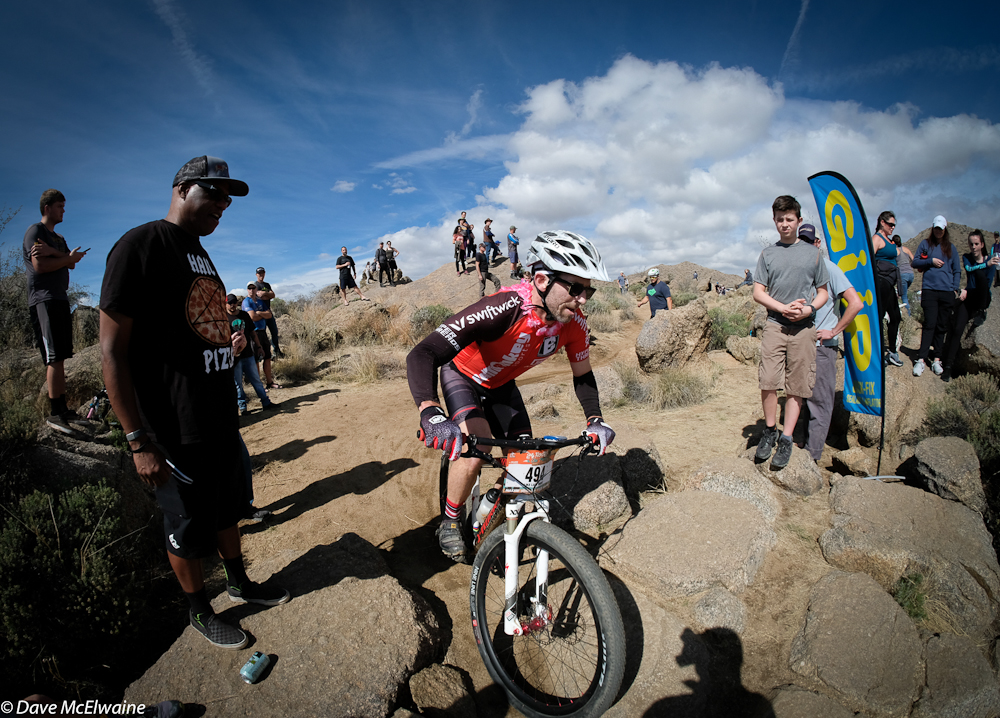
x=529, y=443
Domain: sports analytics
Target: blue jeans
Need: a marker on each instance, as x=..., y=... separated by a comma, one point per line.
x=907, y=281
x=248, y=365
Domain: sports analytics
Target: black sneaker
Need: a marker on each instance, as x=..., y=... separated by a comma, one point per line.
x=783, y=454
x=274, y=405
x=450, y=539
x=264, y=594
x=244, y=412
x=218, y=632
x=60, y=424
x=766, y=445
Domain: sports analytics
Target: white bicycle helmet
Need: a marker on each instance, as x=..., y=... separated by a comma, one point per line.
x=562, y=251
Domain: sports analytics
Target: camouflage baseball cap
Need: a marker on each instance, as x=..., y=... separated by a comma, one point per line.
x=209, y=168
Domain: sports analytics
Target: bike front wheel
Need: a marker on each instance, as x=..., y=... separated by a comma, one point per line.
x=571, y=659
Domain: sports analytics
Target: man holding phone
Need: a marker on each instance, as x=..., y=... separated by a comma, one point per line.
x=47, y=260
x=246, y=343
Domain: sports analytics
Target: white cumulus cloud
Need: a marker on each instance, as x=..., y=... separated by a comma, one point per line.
x=659, y=162
x=342, y=186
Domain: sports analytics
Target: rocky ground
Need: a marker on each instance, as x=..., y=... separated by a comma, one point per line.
x=744, y=591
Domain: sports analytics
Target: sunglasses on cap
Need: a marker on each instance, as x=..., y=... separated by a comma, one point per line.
x=575, y=289
x=216, y=194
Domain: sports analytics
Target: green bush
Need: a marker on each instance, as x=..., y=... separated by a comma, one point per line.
x=911, y=595
x=726, y=323
x=427, y=319
x=947, y=417
x=682, y=298
x=69, y=580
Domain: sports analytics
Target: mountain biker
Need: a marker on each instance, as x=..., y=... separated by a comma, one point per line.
x=483, y=348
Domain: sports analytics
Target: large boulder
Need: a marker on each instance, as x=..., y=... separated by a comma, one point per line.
x=84, y=377
x=744, y=349
x=589, y=495
x=800, y=476
x=737, y=477
x=440, y=692
x=685, y=543
x=859, y=645
x=719, y=608
x=905, y=402
x=948, y=466
x=855, y=462
x=890, y=530
x=794, y=702
x=960, y=682
x=345, y=645
x=672, y=338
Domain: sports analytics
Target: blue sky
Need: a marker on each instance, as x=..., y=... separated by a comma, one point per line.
x=661, y=132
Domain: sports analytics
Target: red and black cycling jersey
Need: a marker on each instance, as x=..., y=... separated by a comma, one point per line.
x=492, y=343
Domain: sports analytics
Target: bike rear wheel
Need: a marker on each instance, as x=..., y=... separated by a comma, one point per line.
x=573, y=665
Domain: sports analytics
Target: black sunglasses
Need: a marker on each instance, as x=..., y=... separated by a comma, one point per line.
x=575, y=289
x=216, y=194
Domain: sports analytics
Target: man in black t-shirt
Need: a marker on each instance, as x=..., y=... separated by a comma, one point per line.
x=266, y=294
x=347, y=274
x=483, y=269
x=382, y=262
x=47, y=261
x=175, y=402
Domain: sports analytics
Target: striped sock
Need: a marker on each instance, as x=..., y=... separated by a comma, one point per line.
x=451, y=510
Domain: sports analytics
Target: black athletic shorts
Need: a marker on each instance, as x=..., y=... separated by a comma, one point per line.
x=347, y=282
x=207, y=493
x=264, y=343
x=502, y=407
x=53, y=327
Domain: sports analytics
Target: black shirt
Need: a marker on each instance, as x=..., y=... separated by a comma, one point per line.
x=47, y=285
x=243, y=322
x=179, y=351
x=345, y=269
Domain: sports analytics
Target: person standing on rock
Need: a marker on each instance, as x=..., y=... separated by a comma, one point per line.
x=791, y=283
x=482, y=349
x=345, y=264
x=47, y=261
x=265, y=293
x=828, y=329
x=937, y=258
x=390, y=259
x=512, y=242
x=888, y=282
x=622, y=282
x=974, y=300
x=176, y=406
x=483, y=269
x=657, y=294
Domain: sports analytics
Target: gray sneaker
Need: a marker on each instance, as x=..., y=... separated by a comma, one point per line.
x=766, y=445
x=218, y=632
x=783, y=454
x=918, y=367
x=450, y=538
x=60, y=424
x=937, y=367
x=893, y=358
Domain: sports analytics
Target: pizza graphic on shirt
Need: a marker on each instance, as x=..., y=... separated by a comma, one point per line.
x=205, y=311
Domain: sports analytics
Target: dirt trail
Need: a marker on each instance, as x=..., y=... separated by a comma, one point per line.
x=344, y=458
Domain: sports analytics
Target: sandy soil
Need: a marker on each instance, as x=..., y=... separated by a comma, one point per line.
x=343, y=458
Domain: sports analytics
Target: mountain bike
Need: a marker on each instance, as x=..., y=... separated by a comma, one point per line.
x=545, y=620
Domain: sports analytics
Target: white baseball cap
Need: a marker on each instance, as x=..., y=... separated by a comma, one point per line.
x=941, y=222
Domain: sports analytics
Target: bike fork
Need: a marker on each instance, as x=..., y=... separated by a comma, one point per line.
x=513, y=531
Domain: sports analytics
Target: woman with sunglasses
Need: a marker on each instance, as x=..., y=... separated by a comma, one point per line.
x=938, y=260
x=887, y=281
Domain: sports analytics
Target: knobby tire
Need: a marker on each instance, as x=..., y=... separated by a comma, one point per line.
x=574, y=666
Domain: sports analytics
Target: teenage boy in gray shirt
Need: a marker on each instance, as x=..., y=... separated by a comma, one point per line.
x=791, y=283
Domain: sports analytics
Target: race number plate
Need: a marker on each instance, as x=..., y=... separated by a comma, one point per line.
x=527, y=471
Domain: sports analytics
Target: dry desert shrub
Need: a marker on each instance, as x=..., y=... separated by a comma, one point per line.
x=670, y=389
x=370, y=364
x=299, y=362
x=366, y=328
x=309, y=328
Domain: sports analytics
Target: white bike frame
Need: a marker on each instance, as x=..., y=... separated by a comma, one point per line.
x=513, y=530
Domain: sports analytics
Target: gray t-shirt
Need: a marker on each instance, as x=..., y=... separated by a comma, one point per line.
x=790, y=272
x=47, y=285
x=829, y=314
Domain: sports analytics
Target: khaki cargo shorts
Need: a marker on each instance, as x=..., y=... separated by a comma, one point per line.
x=788, y=359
